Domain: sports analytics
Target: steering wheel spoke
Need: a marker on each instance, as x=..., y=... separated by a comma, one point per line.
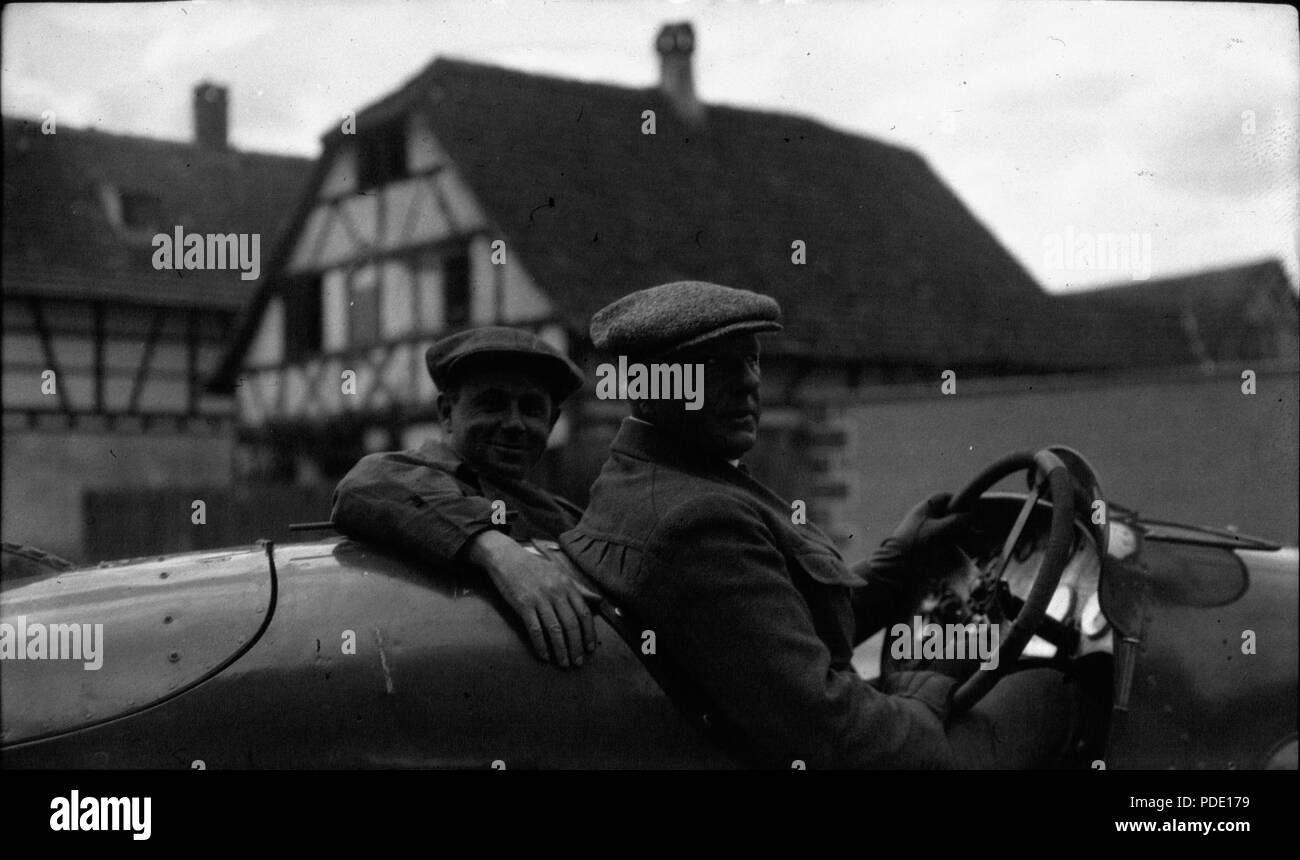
x=1013, y=536
x=1053, y=478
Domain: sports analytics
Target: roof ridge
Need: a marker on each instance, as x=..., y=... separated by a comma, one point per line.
x=1208, y=274
x=87, y=131
x=429, y=73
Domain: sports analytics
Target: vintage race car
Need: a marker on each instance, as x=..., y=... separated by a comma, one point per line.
x=340, y=654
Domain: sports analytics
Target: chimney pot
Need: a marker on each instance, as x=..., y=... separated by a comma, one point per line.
x=676, y=45
x=211, y=117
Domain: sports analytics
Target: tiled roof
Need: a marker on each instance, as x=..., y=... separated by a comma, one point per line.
x=898, y=270
x=1247, y=312
x=59, y=238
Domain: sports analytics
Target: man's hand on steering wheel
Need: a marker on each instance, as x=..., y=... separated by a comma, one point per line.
x=905, y=558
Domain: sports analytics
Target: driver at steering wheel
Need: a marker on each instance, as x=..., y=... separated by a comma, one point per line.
x=761, y=613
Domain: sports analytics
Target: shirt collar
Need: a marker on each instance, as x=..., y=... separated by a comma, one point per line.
x=645, y=441
x=442, y=455
x=735, y=464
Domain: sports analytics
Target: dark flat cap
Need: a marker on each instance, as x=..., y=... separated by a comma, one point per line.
x=452, y=356
x=682, y=314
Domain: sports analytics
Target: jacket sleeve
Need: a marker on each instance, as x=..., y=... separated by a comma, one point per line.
x=894, y=586
x=879, y=603
x=714, y=585
x=398, y=500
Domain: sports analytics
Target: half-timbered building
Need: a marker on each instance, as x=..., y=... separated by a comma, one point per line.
x=106, y=356
x=474, y=194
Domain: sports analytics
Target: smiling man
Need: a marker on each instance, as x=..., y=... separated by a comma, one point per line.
x=466, y=497
x=758, y=610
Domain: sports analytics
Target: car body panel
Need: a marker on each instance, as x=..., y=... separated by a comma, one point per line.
x=338, y=654
x=439, y=678
x=1211, y=641
x=166, y=624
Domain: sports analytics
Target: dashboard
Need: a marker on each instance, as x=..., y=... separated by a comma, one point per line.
x=963, y=592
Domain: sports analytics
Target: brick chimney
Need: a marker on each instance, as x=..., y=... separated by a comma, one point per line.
x=676, y=44
x=211, y=105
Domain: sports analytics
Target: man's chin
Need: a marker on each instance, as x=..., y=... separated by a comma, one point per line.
x=738, y=443
x=510, y=465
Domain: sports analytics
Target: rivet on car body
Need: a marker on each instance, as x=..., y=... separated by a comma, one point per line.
x=167, y=620
x=162, y=575
x=175, y=657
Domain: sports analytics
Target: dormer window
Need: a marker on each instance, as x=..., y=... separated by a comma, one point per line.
x=137, y=215
x=141, y=211
x=383, y=154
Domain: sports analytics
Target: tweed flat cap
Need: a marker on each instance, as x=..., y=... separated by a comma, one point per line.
x=452, y=355
x=671, y=317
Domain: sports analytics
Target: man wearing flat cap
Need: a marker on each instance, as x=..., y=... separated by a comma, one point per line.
x=499, y=395
x=761, y=614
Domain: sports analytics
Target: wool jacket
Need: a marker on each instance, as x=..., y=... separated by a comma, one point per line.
x=755, y=609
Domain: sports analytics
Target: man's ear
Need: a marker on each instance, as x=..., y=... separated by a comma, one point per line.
x=443, y=405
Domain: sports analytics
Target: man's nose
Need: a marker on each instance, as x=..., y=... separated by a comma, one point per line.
x=514, y=418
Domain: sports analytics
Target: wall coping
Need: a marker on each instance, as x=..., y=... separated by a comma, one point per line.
x=1057, y=382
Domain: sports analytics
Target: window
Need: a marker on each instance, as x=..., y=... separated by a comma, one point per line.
x=383, y=154
x=363, y=307
x=302, y=319
x=134, y=214
x=429, y=279
x=140, y=211
x=457, y=291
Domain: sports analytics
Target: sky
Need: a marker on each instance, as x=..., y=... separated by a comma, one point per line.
x=1167, y=129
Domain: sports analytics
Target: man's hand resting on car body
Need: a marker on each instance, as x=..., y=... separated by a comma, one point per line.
x=552, y=605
